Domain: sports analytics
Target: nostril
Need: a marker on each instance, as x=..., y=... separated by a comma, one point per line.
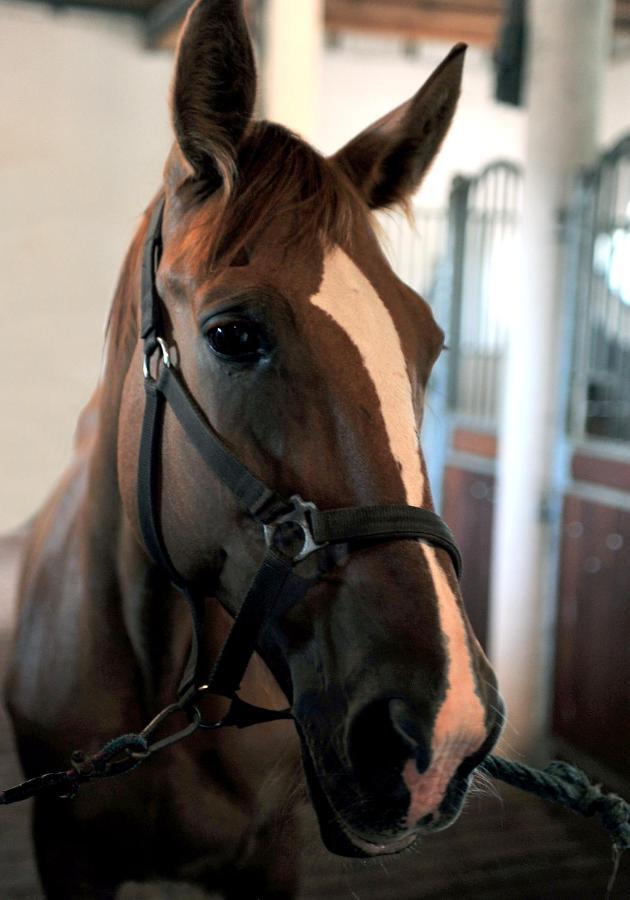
x=382, y=738
x=412, y=731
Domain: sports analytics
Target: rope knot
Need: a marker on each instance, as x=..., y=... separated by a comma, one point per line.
x=588, y=799
x=582, y=795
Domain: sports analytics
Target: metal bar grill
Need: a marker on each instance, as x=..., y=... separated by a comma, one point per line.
x=600, y=406
x=484, y=230
x=416, y=249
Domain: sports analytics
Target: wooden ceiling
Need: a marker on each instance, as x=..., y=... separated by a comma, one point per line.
x=474, y=21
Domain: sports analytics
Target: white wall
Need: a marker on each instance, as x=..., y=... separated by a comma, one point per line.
x=84, y=131
x=615, y=112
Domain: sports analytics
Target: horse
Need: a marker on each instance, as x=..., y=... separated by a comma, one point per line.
x=309, y=358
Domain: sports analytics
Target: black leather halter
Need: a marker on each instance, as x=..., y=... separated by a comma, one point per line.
x=276, y=583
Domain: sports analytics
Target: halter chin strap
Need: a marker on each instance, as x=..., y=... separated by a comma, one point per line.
x=292, y=528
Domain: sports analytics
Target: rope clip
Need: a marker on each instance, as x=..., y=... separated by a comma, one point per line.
x=154, y=724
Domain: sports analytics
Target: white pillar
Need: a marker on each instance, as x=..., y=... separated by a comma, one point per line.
x=291, y=66
x=568, y=49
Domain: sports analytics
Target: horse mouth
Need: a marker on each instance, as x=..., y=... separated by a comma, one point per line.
x=378, y=848
x=337, y=834
x=345, y=839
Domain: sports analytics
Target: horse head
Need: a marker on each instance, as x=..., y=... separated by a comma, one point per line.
x=311, y=359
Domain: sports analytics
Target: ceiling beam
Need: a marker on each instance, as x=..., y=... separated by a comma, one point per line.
x=475, y=21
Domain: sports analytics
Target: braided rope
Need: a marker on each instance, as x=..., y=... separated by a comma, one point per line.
x=120, y=755
x=562, y=783
x=567, y=785
x=559, y=783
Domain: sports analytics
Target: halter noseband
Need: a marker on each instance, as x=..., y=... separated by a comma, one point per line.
x=276, y=583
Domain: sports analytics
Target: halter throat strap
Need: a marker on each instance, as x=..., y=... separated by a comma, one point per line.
x=292, y=528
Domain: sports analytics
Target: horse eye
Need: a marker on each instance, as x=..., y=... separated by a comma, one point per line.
x=237, y=341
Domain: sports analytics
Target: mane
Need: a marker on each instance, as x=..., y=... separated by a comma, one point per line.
x=122, y=322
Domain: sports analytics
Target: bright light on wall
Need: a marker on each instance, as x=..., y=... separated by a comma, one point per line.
x=611, y=259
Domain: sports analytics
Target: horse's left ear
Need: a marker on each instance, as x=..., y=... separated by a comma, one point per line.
x=388, y=160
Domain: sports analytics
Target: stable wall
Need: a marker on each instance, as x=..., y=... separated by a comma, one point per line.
x=84, y=133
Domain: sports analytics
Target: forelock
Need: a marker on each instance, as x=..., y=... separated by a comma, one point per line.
x=281, y=181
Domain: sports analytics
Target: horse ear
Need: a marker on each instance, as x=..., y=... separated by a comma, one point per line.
x=388, y=160
x=214, y=89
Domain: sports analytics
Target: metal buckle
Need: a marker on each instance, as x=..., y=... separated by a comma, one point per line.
x=297, y=515
x=154, y=724
x=166, y=358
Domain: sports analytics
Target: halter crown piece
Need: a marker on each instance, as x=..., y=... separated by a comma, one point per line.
x=276, y=586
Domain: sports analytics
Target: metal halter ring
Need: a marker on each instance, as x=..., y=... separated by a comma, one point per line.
x=166, y=358
x=299, y=516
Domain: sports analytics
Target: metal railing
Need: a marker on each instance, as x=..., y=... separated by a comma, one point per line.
x=416, y=248
x=484, y=220
x=599, y=278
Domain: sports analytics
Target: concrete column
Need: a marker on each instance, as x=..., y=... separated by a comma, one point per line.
x=568, y=50
x=293, y=36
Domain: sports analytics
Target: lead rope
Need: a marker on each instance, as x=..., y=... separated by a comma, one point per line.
x=565, y=784
x=559, y=782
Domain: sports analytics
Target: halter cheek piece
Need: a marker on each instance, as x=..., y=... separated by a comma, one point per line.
x=276, y=584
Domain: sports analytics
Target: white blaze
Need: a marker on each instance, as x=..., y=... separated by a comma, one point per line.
x=347, y=296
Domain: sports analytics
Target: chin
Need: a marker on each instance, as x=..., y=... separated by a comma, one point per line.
x=363, y=841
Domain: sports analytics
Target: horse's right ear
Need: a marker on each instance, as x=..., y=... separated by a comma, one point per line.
x=214, y=92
